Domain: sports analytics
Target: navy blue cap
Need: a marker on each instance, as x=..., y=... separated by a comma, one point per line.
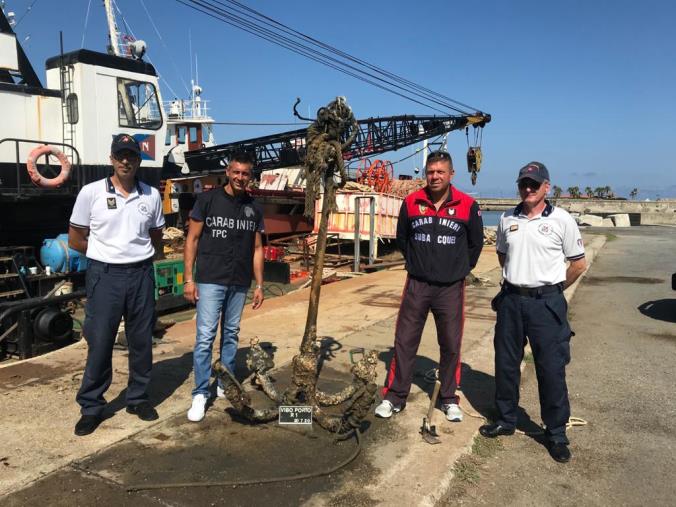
x=124, y=142
x=534, y=171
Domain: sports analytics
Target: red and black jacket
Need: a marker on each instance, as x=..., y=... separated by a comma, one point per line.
x=440, y=246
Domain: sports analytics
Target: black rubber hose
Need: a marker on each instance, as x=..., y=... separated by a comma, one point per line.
x=230, y=484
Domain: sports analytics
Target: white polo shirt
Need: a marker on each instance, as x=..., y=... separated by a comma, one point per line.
x=118, y=226
x=536, y=248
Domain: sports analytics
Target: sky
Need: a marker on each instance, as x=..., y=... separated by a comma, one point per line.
x=585, y=87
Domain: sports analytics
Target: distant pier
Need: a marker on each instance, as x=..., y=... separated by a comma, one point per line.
x=661, y=212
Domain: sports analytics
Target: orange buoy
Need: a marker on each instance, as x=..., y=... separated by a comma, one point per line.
x=38, y=178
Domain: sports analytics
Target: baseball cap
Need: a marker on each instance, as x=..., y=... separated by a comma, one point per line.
x=124, y=142
x=534, y=171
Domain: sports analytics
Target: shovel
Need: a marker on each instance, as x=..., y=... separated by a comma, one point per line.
x=428, y=431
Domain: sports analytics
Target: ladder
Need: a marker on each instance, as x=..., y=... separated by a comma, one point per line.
x=69, y=110
x=13, y=286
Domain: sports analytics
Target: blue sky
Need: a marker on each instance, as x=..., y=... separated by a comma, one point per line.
x=586, y=87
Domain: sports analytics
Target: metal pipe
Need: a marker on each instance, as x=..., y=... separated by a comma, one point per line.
x=17, y=306
x=357, y=227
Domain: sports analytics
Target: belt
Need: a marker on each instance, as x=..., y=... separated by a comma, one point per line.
x=109, y=265
x=532, y=292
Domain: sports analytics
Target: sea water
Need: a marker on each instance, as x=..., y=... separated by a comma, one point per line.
x=491, y=218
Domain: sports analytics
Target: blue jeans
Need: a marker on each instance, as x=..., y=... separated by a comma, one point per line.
x=216, y=303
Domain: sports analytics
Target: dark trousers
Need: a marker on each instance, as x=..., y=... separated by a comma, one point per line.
x=114, y=292
x=446, y=304
x=543, y=321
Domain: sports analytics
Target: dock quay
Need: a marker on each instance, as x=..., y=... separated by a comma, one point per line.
x=662, y=212
x=45, y=463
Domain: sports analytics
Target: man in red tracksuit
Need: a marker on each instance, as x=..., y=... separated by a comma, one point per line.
x=440, y=233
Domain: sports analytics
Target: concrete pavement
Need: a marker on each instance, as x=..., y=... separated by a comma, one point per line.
x=39, y=411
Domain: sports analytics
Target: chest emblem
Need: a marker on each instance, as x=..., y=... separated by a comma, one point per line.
x=111, y=202
x=513, y=227
x=143, y=209
x=248, y=211
x=422, y=208
x=545, y=229
x=451, y=212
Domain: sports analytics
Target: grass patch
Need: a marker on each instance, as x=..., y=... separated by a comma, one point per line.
x=528, y=358
x=610, y=236
x=466, y=469
x=486, y=447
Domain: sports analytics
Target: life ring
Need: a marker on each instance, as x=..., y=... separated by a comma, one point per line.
x=38, y=178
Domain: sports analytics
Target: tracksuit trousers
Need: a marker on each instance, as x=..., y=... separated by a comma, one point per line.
x=446, y=302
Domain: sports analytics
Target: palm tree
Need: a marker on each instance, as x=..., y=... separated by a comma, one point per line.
x=557, y=191
x=609, y=192
x=574, y=192
x=600, y=192
x=589, y=191
x=633, y=193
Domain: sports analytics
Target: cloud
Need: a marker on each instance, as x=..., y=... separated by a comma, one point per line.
x=590, y=174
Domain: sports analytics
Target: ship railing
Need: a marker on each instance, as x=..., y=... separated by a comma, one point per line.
x=186, y=109
x=17, y=182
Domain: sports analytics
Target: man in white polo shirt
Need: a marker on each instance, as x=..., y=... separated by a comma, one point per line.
x=534, y=240
x=117, y=222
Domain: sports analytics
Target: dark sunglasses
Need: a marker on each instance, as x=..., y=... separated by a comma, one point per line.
x=527, y=183
x=126, y=154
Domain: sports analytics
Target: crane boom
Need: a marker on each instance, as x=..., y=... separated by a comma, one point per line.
x=376, y=135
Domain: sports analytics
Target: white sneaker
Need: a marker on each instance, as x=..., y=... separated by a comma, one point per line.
x=386, y=409
x=453, y=412
x=220, y=393
x=196, y=412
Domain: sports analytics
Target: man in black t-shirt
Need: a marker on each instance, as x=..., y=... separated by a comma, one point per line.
x=225, y=238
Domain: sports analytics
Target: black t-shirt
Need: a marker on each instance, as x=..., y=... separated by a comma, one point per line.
x=226, y=246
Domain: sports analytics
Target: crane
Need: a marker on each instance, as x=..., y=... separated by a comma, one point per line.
x=375, y=135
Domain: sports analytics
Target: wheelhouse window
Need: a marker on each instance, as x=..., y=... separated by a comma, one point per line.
x=180, y=138
x=138, y=105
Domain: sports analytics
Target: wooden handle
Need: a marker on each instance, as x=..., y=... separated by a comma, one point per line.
x=433, y=401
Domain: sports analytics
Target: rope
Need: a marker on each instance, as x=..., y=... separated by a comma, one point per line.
x=173, y=63
x=324, y=159
x=291, y=31
x=30, y=7
x=172, y=233
x=431, y=375
x=276, y=38
x=86, y=22
x=269, y=480
x=297, y=124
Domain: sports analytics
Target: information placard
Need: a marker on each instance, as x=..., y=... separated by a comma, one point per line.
x=295, y=414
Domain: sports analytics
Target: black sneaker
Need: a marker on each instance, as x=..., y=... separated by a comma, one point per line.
x=560, y=452
x=144, y=411
x=87, y=424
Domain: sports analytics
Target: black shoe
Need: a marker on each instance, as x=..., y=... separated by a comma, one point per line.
x=144, y=411
x=559, y=451
x=495, y=430
x=87, y=424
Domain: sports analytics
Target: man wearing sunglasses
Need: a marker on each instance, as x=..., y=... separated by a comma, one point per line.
x=117, y=222
x=440, y=233
x=534, y=240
